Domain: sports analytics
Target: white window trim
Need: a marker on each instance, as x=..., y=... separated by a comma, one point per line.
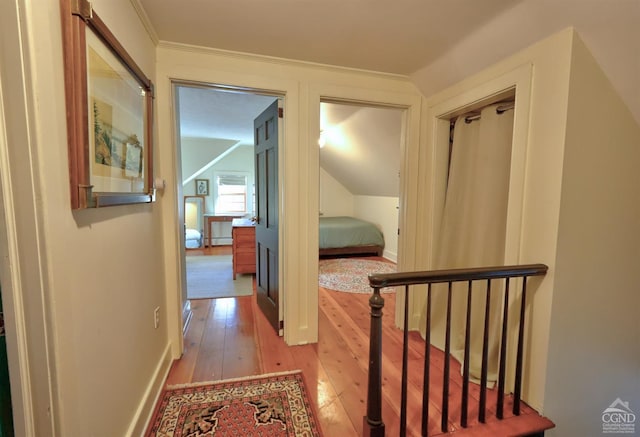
x=248, y=185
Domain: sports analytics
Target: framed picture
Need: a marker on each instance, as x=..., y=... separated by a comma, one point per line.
x=202, y=187
x=109, y=114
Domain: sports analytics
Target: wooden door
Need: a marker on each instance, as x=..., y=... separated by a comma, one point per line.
x=266, y=161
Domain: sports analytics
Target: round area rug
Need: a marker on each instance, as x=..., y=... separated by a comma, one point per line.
x=352, y=274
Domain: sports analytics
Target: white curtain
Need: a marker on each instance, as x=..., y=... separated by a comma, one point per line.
x=473, y=231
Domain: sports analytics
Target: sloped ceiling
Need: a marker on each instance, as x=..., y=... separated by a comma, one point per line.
x=435, y=42
x=199, y=153
x=362, y=147
x=394, y=36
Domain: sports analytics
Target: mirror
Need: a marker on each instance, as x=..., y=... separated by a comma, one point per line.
x=194, y=222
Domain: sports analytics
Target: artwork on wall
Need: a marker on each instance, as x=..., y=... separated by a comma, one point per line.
x=109, y=114
x=202, y=187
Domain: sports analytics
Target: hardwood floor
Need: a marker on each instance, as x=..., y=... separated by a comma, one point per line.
x=230, y=338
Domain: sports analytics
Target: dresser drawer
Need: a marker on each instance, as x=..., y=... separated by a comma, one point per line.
x=243, y=236
x=244, y=241
x=244, y=249
x=245, y=254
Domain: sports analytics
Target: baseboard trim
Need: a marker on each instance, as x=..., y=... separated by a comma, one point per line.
x=146, y=407
x=391, y=256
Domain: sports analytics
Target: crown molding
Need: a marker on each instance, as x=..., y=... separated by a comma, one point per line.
x=146, y=22
x=275, y=60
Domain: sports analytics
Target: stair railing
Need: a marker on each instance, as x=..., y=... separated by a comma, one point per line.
x=373, y=423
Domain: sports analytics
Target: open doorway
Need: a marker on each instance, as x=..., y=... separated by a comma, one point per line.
x=360, y=162
x=360, y=157
x=217, y=189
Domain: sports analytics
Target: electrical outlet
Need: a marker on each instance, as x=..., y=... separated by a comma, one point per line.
x=156, y=317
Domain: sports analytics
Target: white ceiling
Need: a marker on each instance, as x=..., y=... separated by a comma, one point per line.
x=213, y=113
x=396, y=36
x=434, y=42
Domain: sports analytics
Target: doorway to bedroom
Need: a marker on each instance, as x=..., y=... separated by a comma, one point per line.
x=215, y=144
x=360, y=157
x=360, y=148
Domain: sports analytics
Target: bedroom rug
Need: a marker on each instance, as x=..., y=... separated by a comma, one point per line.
x=211, y=277
x=352, y=274
x=265, y=405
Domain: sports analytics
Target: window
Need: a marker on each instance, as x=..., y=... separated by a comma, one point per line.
x=231, y=193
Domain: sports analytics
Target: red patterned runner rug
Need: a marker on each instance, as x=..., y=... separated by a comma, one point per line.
x=265, y=405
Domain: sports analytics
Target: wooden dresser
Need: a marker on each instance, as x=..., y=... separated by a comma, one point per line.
x=243, y=232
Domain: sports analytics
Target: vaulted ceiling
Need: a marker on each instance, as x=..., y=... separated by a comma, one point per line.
x=397, y=36
x=434, y=43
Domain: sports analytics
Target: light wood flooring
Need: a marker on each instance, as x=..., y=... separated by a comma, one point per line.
x=230, y=338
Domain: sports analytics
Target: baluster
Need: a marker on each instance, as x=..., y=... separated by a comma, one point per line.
x=405, y=367
x=373, y=425
x=445, y=378
x=517, y=391
x=427, y=365
x=485, y=357
x=503, y=352
x=465, y=365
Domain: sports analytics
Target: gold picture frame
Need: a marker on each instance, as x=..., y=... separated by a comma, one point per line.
x=109, y=114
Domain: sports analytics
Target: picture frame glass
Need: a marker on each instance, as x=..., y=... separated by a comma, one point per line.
x=117, y=112
x=202, y=187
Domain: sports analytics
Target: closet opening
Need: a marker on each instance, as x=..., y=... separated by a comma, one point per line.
x=474, y=223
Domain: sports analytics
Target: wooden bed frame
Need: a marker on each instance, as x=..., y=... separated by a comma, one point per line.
x=371, y=249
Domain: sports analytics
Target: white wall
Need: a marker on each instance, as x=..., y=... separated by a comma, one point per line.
x=303, y=85
x=102, y=269
x=241, y=159
x=383, y=212
x=572, y=213
x=541, y=73
x=335, y=199
x=23, y=280
x=594, y=345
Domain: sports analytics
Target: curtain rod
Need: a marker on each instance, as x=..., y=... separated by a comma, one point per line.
x=500, y=109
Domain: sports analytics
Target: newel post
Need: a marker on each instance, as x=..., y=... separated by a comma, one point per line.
x=372, y=423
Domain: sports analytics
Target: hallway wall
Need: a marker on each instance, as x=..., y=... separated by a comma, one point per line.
x=568, y=208
x=101, y=270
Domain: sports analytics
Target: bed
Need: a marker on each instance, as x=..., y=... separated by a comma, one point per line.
x=193, y=222
x=343, y=236
x=192, y=239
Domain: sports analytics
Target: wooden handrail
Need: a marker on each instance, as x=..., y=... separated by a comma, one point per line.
x=381, y=280
x=373, y=423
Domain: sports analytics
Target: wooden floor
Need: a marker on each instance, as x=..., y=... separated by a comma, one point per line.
x=230, y=338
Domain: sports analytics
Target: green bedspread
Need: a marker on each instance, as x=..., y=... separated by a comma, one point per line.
x=348, y=231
